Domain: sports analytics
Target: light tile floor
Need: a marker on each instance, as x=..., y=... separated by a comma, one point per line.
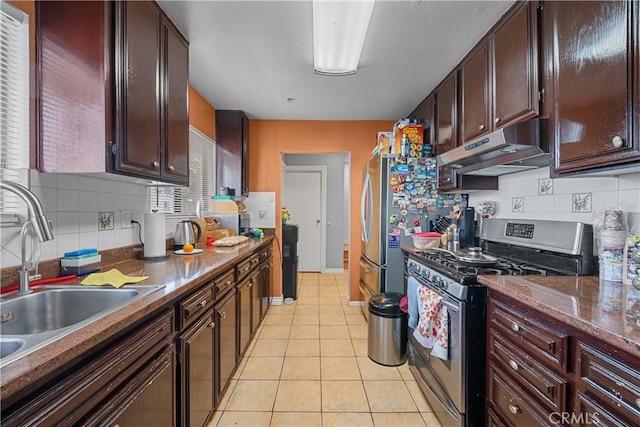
x=308, y=366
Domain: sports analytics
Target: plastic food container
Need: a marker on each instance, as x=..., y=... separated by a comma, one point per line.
x=426, y=240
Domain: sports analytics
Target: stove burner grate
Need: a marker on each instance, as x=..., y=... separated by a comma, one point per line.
x=501, y=267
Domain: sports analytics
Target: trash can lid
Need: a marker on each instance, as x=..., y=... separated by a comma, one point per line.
x=386, y=304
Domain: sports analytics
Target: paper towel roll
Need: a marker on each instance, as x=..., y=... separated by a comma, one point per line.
x=154, y=235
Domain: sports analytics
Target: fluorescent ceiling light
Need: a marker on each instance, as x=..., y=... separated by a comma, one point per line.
x=339, y=30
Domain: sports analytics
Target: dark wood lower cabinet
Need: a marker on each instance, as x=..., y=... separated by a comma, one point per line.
x=225, y=342
x=197, y=359
x=544, y=372
x=244, y=315
x=265, y=286
x=255, y=283
x=110, y=374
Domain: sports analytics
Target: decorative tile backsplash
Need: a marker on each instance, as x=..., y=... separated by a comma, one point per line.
x=533, y=194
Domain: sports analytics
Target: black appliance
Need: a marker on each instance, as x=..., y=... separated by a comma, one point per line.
x=455, y=387
x=290, y=261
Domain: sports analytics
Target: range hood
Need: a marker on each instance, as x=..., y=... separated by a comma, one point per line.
x=515, y=148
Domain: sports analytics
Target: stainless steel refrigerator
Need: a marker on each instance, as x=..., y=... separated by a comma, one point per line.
x=397, y=197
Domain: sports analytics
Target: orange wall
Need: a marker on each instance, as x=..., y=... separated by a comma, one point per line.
x=202, y=115
x=269, y=139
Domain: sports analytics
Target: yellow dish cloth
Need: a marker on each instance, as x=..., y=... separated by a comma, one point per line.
x=112, y=277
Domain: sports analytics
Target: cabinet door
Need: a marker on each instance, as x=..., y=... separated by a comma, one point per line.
x=255, y=284
x=426, y=111
x=265, y=284
x=176, y=114
x=232, y=156
x=515, y=67
x=447, y=114
x=474, y=79
x=196, y=349
x=137, y=88
x=244, y=315
x=226, y=342
x=590, y=47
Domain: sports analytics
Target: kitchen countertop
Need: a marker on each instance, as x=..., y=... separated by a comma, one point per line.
x=179, y=274
x=584, y=302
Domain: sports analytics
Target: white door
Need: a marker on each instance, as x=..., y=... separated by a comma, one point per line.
x=302, y=196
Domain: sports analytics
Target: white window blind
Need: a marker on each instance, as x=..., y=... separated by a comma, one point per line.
x=14, y=103
x=202, y=163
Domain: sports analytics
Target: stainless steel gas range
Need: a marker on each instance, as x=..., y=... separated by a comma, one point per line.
x=455, y=385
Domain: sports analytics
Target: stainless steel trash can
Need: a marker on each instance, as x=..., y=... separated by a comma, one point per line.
x=387, y=330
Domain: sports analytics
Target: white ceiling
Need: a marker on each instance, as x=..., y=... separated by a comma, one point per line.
x=253, y=55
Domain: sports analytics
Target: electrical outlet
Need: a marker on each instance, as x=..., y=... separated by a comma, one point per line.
x=127, y=217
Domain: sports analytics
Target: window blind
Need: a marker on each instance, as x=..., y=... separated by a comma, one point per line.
x=184, y=200
x=14, y=103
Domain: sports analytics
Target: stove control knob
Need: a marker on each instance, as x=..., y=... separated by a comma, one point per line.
x=425, y=274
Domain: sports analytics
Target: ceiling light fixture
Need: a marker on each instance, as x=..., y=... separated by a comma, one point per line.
x=339, y=30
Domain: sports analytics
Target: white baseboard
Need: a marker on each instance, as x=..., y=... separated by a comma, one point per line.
x=355, y=303
x=277, y=300
x=333, y=271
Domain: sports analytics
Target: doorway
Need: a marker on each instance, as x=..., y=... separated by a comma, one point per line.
x=304, y=195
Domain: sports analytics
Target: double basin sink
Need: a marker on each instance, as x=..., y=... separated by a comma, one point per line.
x=30, y=321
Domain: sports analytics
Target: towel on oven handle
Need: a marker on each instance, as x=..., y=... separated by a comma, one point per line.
x=433, y=323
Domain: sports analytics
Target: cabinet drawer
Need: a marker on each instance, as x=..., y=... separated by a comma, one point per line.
x=610, y=381
x=246, y=266
x=493, y=420
x=266, y=253
x=197, y=303
x=592, y=413
x=537, y=380
x=225, y=282
x=512, y=406
x=537, y=339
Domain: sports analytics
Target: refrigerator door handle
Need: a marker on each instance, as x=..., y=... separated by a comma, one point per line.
x=363, y=220
x=370, y=200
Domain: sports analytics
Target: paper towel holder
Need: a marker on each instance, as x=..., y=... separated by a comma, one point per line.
x=141, y=257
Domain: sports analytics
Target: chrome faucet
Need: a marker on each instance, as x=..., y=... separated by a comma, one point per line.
x=38, y=223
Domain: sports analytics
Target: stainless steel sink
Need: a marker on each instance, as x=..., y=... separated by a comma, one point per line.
x=28, y=322
x=57, y=308
x=9, y=346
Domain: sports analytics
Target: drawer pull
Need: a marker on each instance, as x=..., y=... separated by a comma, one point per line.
x=638, y=403
x=203, y=303
x=514, y=409
x=250, y=284
x=223, y=315
x=481, y=127
x=513, y=364
x=515, y=327
x=212, y=325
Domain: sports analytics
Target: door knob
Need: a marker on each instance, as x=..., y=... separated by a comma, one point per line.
x=317, y=221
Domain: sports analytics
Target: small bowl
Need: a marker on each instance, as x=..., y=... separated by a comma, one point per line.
x=426, y=240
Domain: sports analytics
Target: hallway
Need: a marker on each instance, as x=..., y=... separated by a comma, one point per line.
x=308, y=366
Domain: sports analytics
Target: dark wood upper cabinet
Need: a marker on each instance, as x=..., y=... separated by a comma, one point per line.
x=516, y=81
x=426, y=112
x=112, y=84
x=499, y=79
x=593, y=56
x=447, y=114
x=232, y=151
x=475, y=88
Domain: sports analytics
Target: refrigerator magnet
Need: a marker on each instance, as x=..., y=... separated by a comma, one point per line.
x=394, y=179
x=403, y=212
x=393, y=219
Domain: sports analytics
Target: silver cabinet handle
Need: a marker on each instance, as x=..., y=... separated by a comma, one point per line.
x=448, y=179
x=156, y=164
x=172, y=168
x=250, y=284
x=212, y=325
x=638, y=402
x=515, y=327
x=617, y=141
x=223, y=314
x=496, y=120
x=513, y=364
x=481, y=127
x=203, y=303
x=514, y=409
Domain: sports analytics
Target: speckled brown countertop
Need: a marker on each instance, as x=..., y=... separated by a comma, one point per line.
x=179, y=274
x=586, y=303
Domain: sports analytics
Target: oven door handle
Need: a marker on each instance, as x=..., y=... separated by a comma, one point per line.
x=451, y=306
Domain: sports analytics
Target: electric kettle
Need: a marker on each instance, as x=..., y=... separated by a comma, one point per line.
x=185, y=234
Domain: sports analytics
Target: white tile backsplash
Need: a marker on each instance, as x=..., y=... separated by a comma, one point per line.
x=72, y=202
x=610, y=192
x=262, y=202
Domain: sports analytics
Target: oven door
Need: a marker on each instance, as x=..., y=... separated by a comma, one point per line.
x=449, y=373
